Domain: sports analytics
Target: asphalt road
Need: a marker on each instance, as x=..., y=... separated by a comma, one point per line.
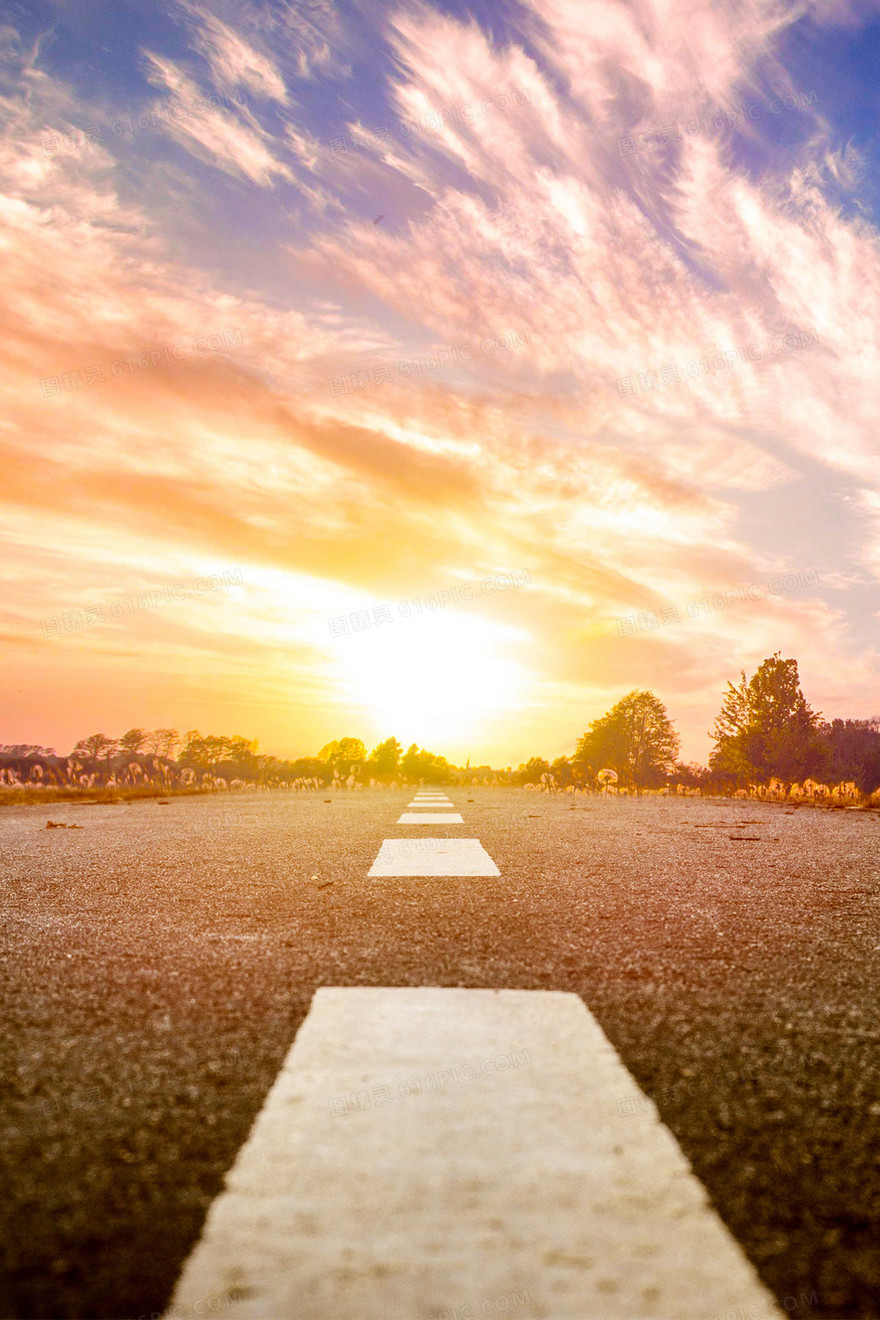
x=157, y=963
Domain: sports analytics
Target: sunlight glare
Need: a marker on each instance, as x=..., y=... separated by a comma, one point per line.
x=434, y=678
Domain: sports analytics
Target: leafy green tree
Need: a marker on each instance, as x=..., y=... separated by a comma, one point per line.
x=766, y=728
x=635, y=737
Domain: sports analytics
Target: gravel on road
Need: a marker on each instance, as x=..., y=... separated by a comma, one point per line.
x=157, y=963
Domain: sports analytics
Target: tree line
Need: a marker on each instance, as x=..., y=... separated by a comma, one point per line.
x=765, y=729
x=229, y=758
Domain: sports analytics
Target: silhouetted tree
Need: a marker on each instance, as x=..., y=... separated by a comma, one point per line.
x=344, y=755
x=530, y=772
x=854, y=752
x=420, y=764
x=25, y=749
x=384, y=759
x=689, y=773
x=133, y=741
x=163, y=742
x=94, y=748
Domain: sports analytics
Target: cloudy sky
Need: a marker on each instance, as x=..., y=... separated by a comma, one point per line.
x=441, y=370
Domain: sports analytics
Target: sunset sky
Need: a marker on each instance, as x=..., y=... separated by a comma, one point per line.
x=570, y=308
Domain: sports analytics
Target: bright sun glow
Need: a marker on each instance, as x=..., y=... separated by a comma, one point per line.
x=437, y=679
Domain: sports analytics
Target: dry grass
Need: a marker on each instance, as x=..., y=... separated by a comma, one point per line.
x=30, y=795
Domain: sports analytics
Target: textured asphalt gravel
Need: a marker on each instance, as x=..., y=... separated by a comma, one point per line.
x=157, y=963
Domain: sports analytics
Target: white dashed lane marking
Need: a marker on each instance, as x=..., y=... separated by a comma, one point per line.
x=427, y=1152
x=430, y=818
x=427, y=857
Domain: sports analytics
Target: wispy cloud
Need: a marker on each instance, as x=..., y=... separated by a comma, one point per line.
x=233, y=61
x=218, y=135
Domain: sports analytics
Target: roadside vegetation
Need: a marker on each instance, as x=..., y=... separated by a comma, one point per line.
x=768, y=744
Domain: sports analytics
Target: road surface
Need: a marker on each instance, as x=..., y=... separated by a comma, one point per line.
x=158, y=962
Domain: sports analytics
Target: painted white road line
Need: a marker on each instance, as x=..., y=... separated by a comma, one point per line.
x=430, y=805
x=427, y=1152
x=430, y=818
x=432, y=857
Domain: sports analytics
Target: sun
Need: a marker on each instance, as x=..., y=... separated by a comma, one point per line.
x=440, y=679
